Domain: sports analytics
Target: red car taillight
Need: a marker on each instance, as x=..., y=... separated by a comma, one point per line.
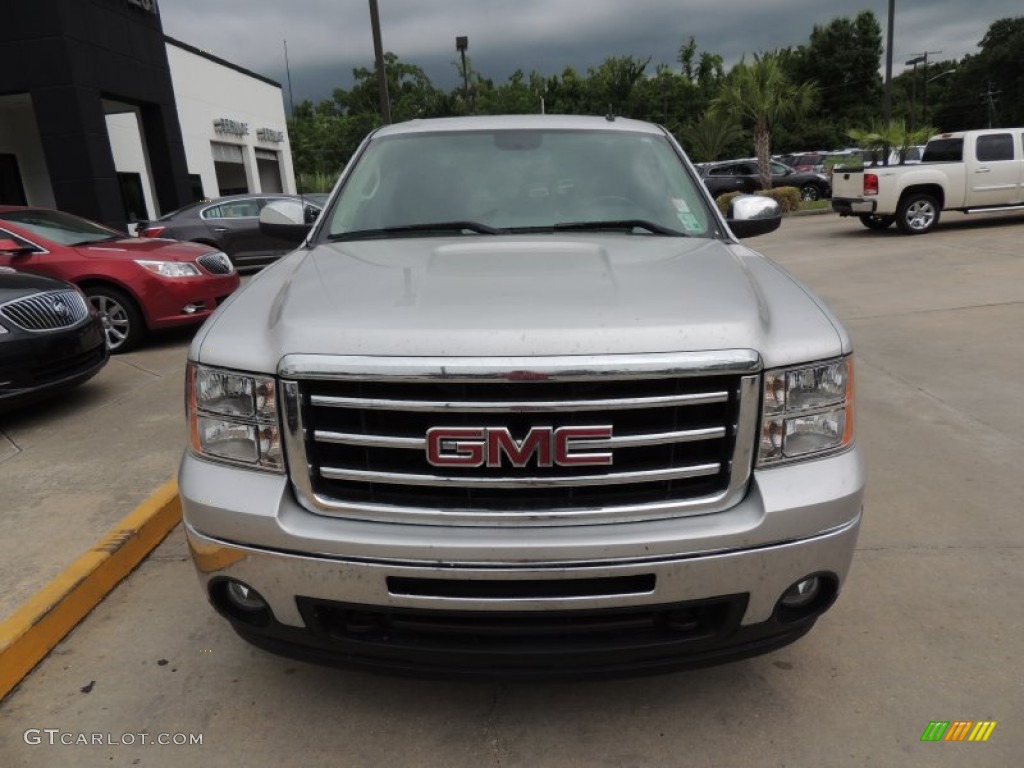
x=151, y=231
x=870, y=184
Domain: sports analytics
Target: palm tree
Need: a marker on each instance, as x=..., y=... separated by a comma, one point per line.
x=707, y=138
x=895, y=136
x=760, y=93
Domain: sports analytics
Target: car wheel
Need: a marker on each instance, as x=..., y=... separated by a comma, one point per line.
x=809, y=193
x=876, y=222
x=123, y=326
x=917, y=213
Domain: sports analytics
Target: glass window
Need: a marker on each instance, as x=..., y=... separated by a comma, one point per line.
x=779, y=169
x=62, y=228
x=944, y=151
x=21, y=242
x=722, y=170
x=236, y=209
x=519, y=180
x=998, y=146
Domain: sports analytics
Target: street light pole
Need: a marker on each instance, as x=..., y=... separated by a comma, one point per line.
x=378, y=53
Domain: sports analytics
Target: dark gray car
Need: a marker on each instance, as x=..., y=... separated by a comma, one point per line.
x=743, y=176
x=230, y=224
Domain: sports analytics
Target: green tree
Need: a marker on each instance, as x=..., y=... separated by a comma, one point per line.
x=760, y=95
x=843, y=58
x=710, y=136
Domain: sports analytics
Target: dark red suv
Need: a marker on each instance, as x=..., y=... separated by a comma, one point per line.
x=137, y=285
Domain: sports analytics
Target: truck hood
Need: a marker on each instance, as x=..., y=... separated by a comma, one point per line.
x=519, y=296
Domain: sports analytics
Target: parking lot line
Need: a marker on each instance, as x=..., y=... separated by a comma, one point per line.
x=28, y=635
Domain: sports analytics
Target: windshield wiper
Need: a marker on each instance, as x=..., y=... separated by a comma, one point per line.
x=415, y=229
x=627, y=224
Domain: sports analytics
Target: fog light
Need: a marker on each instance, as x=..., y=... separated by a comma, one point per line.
x=191, y=309
x=245, y=597
x=802, y=593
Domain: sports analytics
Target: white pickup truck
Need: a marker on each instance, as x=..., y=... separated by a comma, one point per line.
x=971, y=171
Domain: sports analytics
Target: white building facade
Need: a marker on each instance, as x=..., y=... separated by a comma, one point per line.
x=233, y=128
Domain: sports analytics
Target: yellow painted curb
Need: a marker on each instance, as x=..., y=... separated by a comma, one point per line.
x=47, y=617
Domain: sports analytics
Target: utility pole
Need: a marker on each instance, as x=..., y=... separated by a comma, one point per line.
x=462, y=45
x=888, y=73
x=378, y=53
x=990, y=103
x=924, y=90
x=918, y=58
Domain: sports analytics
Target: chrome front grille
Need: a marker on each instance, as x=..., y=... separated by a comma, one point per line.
x=681, y=439
x=49, y=311
x=216, y=263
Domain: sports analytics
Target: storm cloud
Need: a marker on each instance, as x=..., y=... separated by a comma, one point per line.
x=328, y=38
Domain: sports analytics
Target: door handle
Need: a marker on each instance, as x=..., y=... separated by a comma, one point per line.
x=220, y=229
x=982, y=170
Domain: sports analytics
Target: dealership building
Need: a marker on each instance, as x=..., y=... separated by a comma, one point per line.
x=103, y=115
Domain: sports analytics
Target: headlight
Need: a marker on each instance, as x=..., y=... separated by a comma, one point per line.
x=232, y=417
x=169, y=268
x=807, y=411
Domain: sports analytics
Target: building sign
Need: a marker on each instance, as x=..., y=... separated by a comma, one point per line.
x=230, y=127
x=146, y=5
x=269, y=134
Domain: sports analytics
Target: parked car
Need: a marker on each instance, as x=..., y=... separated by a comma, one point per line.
x=136, y=285
x=230, y=224
x=805, y=162
x=50, y=338
x=743, y=176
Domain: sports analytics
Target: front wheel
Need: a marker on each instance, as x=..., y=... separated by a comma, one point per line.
x=876, y=222
x=123, y=326
x=918, y=213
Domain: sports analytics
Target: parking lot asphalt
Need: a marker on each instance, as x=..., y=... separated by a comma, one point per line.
x=929, y=627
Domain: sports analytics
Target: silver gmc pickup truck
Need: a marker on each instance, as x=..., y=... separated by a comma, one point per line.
x=522, y=405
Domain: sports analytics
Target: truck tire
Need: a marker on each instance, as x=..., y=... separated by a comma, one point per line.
x=876, y=222
x=918, y=213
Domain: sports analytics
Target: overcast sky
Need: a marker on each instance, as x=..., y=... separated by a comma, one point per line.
x=327, y=38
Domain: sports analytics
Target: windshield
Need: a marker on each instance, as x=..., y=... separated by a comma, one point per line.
x=62, y=228
x=513, y=181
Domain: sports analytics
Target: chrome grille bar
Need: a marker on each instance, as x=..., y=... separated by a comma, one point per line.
x=623, y=441
x=40, y=312
x=612, y=478
x=519, y=406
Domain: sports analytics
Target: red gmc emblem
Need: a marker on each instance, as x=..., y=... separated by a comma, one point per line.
x=495, y=446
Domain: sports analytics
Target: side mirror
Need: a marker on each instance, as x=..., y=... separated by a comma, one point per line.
x=285, y=220
x=752, y=215
x=11, y=248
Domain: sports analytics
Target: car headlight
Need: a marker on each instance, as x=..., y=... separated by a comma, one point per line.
x=807, y=411
x=169, y=268
x=232, y=417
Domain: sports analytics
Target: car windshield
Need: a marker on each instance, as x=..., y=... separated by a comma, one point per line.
x=499, y=182
x=62, y=228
